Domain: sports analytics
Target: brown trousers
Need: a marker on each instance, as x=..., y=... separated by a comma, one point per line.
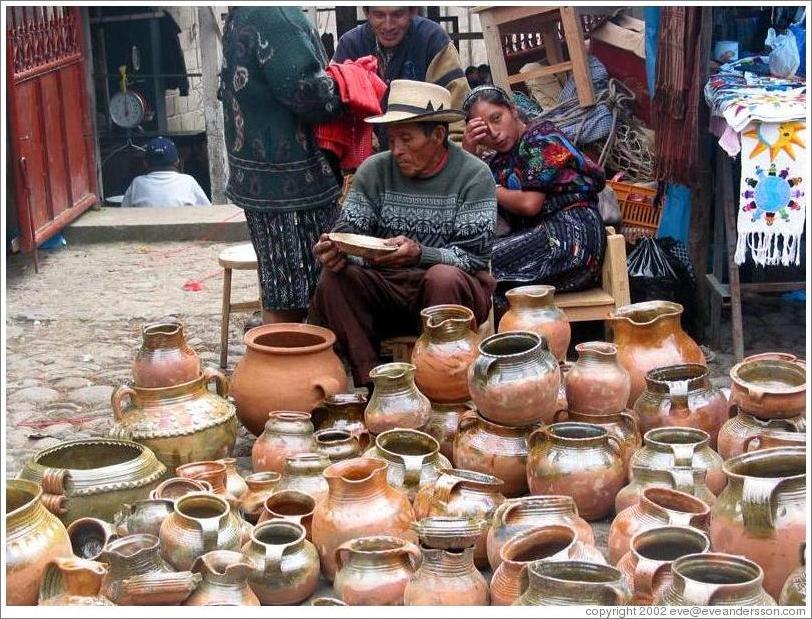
x=363, y=306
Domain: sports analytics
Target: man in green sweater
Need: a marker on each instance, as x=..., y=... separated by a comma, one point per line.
x=432, y=201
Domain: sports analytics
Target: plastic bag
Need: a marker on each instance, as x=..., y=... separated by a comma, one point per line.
x=784, y=58
x=609, y=207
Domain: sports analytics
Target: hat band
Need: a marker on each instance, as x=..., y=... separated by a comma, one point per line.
x=402, y=107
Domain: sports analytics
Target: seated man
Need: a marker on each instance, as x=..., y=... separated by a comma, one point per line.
x=163, y=184
x=436, y=204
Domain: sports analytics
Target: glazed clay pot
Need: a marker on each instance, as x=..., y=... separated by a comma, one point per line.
x=574, y=583
x=793, y=593
x=214, y=473
x=164, y=359
x=69, y=581
x=225, y=580
x=337, y=445
x=648, y=335
x=683, y=478
x=769, y=388
x=768, y=440
x=34, y=537
x=444, y=423
x=343, y=411
x=450, y=532
x=305, y=473
x=360, y=502
x=444, y=351
x=579, y=460
x=596, y=383
x=143, y=516
x=260, y=487
x=235, y=484
x=515, y=379
x=292, y=506
x=286, y=367
x=286, y=433
x=89, y=536
x=447, y=578
x=738, y=432
x=374, y=571
x=761, y=513
x=396, y=401
x=532, y=308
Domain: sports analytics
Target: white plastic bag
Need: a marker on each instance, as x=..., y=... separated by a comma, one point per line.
x=784, y=57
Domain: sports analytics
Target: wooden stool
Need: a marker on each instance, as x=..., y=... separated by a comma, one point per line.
x=243, y=258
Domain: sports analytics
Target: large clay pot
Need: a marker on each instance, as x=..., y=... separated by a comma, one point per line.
x=683, y=478
x=180, y=424
x=260, y=487
x=769, y=388
x=443, y=352
x=286, y=367
x=532, y=308
x=305, y=473
x=622, y=426
x=761, y=513
x=34, y=537
x=396, y=401
x=292, y=506
x=93, y=477
x=740, y=431
x=343, y=411
x=337, y=445
x=89, y=536
x=793, y=593
x=286, y=433
x=360, y=502
x=596, y=383
x=444, y=424
x=143, y=516
x=447, y=578
x=235, y=484
x=164, y=359
x=574, y=583
x=374, y=571
x=225, y=580
x=515, y=379
x=69, y=581
x=578, y=460
x=649, y=336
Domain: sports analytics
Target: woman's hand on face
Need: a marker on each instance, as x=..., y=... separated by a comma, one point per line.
x=408, y=253
x=329, y=255
x=476, y=130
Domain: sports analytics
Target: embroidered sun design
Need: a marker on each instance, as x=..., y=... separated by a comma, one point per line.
x=776, y=137
x=771, y=192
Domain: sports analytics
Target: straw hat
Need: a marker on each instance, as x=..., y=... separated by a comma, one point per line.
x=411, y=101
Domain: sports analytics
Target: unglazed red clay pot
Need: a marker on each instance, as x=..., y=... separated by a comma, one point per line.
x=287, y=433
x=597, y=384
x=532, y=308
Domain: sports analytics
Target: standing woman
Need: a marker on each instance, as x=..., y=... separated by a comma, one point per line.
x=273, y=88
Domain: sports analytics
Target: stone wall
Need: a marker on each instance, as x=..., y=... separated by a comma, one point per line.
x=186, y=113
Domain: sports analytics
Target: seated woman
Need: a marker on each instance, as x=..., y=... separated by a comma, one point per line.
x=549, y=230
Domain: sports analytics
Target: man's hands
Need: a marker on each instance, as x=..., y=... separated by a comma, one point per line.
x=475, y=131
x=329, y=255
x=407, y=254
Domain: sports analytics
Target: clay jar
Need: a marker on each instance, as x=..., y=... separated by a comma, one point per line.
x=337, y=445
x=34, y=537
x=622, y=425
x=761, y=513
x=396, y=401
x=225, y=580
x=579, y=460
x=360, y=502
x=683, y=478
x=793, y=593
x=305, y=473
x=515, y=379
x=574, y=583
x=89, y=536
x=532, y=308
x=214, y=473
x=444, y=424
x=769, y=388
x=69, y=581
x=374, y=571
x=768, y=440
x=343, y=411
x=596, y=383
x=164, y=359
x=493, y=449
x=286, y=367
x=447, y=578
x=648, y=335
x=739, y=431
x=143, y=516
x=291, y=506
x=260, y=487
x=286, y=433
x=235, y=484
x=176, y=487
x=443, y=352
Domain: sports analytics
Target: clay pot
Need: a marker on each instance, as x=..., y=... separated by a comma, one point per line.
x=292, y=506
x=517, y=515
x=450, y=532
x=647, y=566
x=34, y=537
x=447, y=578
x=158, y=589
x=714, y=579
x=164, y=359
x=413, y=458
x=337, y=445
x=768, y=440
x=574, y=583
x=769, y=388
x=69, y=581
x=761, y=513
x=552, y=542
x=323, y=601
x=648, y=335
x=793, y=593
x=622, y=426
x=225, y=580
x=578, y=460
x=773, y=356
x=683, y=478
x=89, y=536
x=360, y=502
x=515, y=379
x=493, y=449
x=214, y=473
x=286, y=565
x=176, y=487
x=260, y=487
x=343, y=411
x=142, y=517
x=374, y=571
x=443, y=352
x=235, y=484
x=286, y=367
x=444, y=423
x=656, y=507
x=738, y=432
x=597, y=383
x=286, y=433
x=532, y=308
x=305, y=473
x=396, y=401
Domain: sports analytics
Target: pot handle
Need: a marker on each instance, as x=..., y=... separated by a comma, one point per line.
x=615, y=441
x=327, y=385
x=752, y=443
x=210, y=529
x=273, y=559
x=620, y=592
x=117, y=400
x=683, y=479
x=54, y=488
x=501, y=512
x=697, y=593
x=644, y=575
x=221, y=382
x=757, y=503
x=481, y=368
x=557, y=416
x=683, y=454
x=443, y=488
x=534, y=436
x=467, y=419
x=755, y=393
x=631, y=423
x=413, y=466
x=416, y=557
x=342, y=552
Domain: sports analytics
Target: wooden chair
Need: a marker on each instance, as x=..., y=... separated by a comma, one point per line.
x=243, y=258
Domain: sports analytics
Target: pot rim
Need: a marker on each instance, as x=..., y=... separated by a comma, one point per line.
x=660, y=378
x=749, y=457
x=626, y=312
x=671, y=530
x=652, y=436
x=289, y=327
x=392, y=371
x=424, y=438
x=687, y=500
x=27, y=486
x=263, y=476
x=149, y=543
x=299, y=497
x=336, y=470
x=601, y=432
x=474, y=477
x=196, y=496
x=181, y=388
x=537, y=340
x=538, y=291
x=342, y=436
x=526, y=537
x=301, y=532
x=151, y=327
x=740, y=381
x=394, y=544
x=722, y=557
x=428, y=313
x=286, y=415
x=605, y=349
x=548, y=570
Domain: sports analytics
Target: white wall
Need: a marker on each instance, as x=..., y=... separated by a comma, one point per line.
x=186, y=113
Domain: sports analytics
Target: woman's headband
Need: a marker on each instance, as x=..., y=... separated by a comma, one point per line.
x=479, y=91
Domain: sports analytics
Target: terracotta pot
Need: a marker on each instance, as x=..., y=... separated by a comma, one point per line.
x=649, y=336
x=622, y=426
x=793, y=593
x=768, y=440
x=260, y=487
x=739, y=431
x=305, y=473
x=286, y=433
x=493, y=449
x=656, y=507
x=413, y=458
x=343, y=411
x=447, y=578
x=714, y=579
x=142, y=517
x=286, y=565
x=286, y=367
x=396, y=401
x=462, y=493
x=532, y=308
x=235, y=484
x=225, y=580
x=374, y=571
x=444, y=423
x=647, y=566
x=69, y=581
x=574, y=583
x=93, y=477
x=580, y=460
x=682, y=478
x=360, y=502
x=515, y=379
x=214, y=473
x=337, y=445
x=761, y=513
x=444, y=351
x=450, y=532
x=34, y=537
x=158, y=589
x=517, y=515
x=552, y=542
x=769, y=388
x=89, y=536
x=292, y=506
x=176, y=487
x=597, y=383
x=164, y=359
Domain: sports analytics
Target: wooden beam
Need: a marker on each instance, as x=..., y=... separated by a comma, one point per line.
x=535, y=73
x=574, y=34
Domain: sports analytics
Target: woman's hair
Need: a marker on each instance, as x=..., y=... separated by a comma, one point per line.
x=488, y=93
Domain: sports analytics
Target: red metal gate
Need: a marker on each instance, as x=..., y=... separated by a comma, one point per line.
x=52, y=147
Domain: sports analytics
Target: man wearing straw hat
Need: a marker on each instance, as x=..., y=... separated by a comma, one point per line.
x=432, y=201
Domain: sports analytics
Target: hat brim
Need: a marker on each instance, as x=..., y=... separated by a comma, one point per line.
x=400, y=116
